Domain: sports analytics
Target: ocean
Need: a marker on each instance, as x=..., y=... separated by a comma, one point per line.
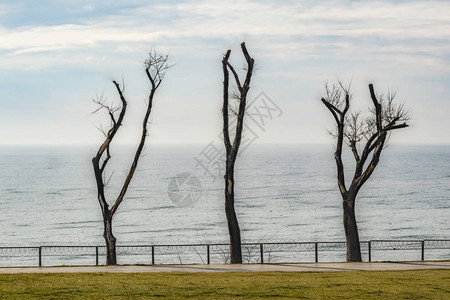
x=283, y=193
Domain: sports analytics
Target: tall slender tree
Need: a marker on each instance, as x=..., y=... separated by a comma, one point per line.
x=366, y=137
x=232, y=148
x=155, y=67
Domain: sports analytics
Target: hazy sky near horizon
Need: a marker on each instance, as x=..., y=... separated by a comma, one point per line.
x=56, y=56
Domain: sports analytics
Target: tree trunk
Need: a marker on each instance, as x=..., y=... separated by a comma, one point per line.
x=232, y=149
x=111, y=258
x=351, y=230
x=233, y=225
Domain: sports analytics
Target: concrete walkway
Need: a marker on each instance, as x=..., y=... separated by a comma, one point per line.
x=306, y=267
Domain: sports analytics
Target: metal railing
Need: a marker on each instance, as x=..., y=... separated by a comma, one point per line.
x=263, y=252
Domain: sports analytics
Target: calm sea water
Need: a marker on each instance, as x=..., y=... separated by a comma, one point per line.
x=283, y=193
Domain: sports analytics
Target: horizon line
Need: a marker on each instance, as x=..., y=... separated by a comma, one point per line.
x=201, y=144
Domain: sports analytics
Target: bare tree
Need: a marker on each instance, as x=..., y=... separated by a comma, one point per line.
x=155, y=67
x=232, y=149
x=366, y=137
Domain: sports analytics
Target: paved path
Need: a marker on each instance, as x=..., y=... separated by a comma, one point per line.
x=306, y=267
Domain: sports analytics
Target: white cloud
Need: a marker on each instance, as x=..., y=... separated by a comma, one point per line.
x=217, y=19
x=296, y=44
x=67, y=37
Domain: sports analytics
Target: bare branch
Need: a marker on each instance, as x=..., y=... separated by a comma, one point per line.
x=105, y=162
x=352, y=145
x=334, y=111
x=399, y=126
x=234, y=109
x=334, y=95
x=242, y=103
x=377, y=105
x=156, y=66
x=226, y=134
x=355, y=129
x=101, y=129
x=109, y=178
x=236, y=77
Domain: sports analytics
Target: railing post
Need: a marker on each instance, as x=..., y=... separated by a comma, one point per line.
x=370, y=251
x=207, y=255
x=316, y=252
x=96, y=255
x=261, y=250
x=40, y=256
x=423, y=250
x=153, y=255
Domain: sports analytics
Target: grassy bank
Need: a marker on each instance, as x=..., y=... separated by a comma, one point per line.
x=423, y=284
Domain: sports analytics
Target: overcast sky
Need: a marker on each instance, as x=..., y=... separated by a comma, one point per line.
x=56, y=56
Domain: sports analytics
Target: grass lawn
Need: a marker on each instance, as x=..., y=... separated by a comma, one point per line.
x=421, y=284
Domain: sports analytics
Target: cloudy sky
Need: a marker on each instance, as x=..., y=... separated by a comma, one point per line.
x=56, y=56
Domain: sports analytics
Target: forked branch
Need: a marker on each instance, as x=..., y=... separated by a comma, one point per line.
x=373, y=130
x=156, y=66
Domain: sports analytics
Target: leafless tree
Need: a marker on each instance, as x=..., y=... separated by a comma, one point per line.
x=155, y=67
x=232, y=149
x=366, y=137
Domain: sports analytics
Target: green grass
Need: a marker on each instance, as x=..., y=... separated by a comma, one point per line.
x=422, y=284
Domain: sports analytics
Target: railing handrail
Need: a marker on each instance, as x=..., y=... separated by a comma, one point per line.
x=226, y=244
x=372, y=245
